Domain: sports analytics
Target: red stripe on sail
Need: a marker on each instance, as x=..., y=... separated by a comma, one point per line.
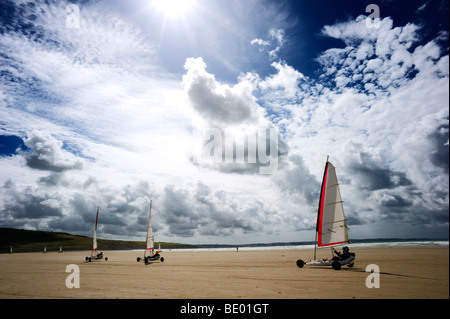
x=150, y=248
x=322, y=199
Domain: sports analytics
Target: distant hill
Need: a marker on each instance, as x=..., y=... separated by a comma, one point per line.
x=34, y=241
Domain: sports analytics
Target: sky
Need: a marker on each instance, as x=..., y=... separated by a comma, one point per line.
x=223, y=113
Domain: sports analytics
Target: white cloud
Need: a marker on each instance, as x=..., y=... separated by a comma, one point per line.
x=215, y=101
x=278, y=35
x=276, y=42
x=47, y=153
x=260, y=42
x=286, y=78
x=422, y=7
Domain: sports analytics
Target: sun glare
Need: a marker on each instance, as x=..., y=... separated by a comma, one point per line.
x=173, y=8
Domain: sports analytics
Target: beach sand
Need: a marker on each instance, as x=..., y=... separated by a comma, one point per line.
x=249, y=274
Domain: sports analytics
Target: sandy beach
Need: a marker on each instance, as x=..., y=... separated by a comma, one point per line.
x=405, y=273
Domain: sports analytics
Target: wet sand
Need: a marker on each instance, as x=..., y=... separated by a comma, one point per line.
x=405, y=273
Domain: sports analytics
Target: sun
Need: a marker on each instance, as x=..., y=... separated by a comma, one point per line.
x=173, y=8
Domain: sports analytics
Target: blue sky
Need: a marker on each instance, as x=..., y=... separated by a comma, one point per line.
x=106, y=114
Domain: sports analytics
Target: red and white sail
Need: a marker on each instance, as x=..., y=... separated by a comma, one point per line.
x=150, y=242
x=331, y=227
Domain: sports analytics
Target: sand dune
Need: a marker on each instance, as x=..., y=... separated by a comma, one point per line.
x=268, y=274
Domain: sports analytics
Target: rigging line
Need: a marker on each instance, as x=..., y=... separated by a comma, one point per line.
x=341, y=201
x=332, y=169
x=336, y=222
x=340, y=226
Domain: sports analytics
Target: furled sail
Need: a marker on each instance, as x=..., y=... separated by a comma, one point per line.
x=150, y=239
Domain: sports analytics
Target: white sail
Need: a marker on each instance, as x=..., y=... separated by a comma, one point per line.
x=150, y=254
x=94, y=241
x=331, y=226
x=150, y=242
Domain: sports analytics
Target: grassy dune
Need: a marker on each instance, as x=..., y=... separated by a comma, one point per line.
x=33, y=240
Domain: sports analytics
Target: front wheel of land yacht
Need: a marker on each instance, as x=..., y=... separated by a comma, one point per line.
x=162, y=259
x=90, y=259
x=106, y=258
x=336, y=265
x=300, y=263
x=138, y=259
x=87, y=258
